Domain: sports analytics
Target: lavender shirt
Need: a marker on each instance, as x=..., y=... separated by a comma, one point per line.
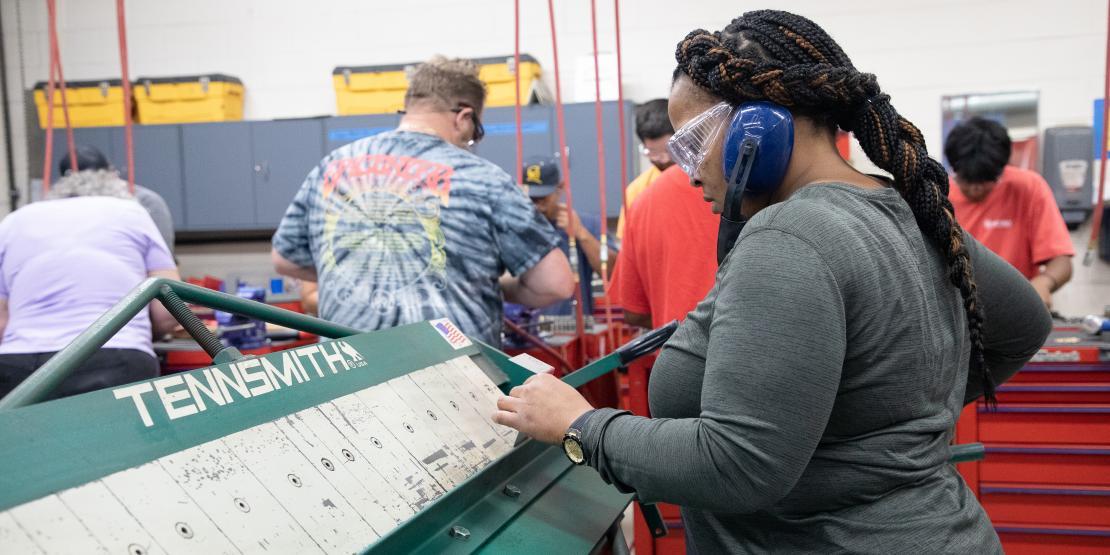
x=65, y=262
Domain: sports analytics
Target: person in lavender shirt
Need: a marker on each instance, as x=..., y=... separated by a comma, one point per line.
x=67, y=260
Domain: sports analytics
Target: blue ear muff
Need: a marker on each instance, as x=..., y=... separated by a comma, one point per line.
x=756, y=153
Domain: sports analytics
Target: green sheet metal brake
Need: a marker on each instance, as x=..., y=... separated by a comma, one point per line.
x=376, y=442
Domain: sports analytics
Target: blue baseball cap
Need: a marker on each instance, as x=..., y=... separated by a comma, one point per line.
x=541, y=176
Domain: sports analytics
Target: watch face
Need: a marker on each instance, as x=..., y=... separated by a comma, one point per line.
x=573, y=449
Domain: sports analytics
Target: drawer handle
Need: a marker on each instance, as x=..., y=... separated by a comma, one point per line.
x=1045, y=491
x=1018, y=388
x=1048, y=450
x=1051, y=531
x=1047, y=410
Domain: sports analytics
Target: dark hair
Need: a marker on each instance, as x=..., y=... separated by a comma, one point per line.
x=652, y=121
x=449, y=81
x=978, y=150
x=88, y=158
x=787, y=59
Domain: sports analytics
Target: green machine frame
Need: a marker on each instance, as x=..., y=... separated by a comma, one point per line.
x=530, y=500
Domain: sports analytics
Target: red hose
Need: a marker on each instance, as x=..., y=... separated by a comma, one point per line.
x=128, y=139
x=601, y=188
x=560, y=116
x=1096, y=222
x=516, y=76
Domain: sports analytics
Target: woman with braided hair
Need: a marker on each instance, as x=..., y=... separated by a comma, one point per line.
x=807, y=404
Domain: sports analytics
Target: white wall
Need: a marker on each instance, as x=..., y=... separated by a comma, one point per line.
x=284, y=50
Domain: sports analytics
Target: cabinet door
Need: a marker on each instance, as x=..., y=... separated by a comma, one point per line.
x=219, y=191
x=157, y=164
x=348, y=129
x=499, y=146
x=284, y=153
x=582, y=141
x=96, y=137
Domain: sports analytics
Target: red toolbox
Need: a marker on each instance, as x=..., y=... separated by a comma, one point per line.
x=1045, y=480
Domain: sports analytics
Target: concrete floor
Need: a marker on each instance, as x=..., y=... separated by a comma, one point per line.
x=1088, y=292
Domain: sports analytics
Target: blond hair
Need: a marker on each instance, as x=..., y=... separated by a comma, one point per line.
x=448, y=82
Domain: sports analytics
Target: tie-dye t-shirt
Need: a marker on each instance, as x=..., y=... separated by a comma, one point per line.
x=404, y=227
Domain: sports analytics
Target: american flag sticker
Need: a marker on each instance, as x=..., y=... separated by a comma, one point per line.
x=454, y=337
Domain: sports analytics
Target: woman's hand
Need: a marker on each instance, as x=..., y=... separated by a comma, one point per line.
x=543, y=408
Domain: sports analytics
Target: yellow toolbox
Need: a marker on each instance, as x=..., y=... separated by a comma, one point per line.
x=91, y=103
x=381, y=89
x=188, y=99
x=498, y=75
x=370, y=89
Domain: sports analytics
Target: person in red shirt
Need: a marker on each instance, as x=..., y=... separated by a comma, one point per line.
x=1008, y=209
x=668, y=256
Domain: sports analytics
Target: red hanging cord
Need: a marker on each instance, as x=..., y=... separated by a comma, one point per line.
x=623, y=131
x=516, y=76
x=578, y=320
x=56, y=67
x=70, y=142
x=1096, y=222
x=601, y=188
x=620, y=113
x=127, y=135
x=48, y=155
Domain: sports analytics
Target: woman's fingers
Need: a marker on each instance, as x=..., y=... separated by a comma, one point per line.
x=505, y=418
x=509, y=404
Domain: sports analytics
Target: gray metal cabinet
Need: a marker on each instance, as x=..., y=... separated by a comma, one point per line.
x=582, y=139
x=219, y=176
x=158, y=163
x=499, y=146
x=342, y=130
x=158, y=159
x=284, y=152
x=242, y=175
x=99, y=138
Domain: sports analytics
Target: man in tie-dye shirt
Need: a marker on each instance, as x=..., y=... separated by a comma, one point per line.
x=409, y=225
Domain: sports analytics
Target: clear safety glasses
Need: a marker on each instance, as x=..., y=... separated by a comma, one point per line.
x=691, y=143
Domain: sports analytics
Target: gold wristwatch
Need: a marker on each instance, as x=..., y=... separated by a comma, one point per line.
x=572, y=446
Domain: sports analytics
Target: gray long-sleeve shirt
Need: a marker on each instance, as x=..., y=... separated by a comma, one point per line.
x=807, y=404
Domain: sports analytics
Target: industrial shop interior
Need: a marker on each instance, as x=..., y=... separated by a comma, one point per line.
x=539, y=276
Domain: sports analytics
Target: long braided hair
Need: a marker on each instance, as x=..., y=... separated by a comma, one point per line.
x=787, y=59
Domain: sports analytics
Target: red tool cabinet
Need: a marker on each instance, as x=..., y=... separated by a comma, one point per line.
x=1045, y=480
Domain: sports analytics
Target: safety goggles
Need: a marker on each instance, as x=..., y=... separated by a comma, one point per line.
x=690, y=145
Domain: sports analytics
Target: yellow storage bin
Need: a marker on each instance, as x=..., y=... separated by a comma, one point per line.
x=188, y=99
x=370, y=89
x=91, y=103
x=499, y=79
x=381, y=89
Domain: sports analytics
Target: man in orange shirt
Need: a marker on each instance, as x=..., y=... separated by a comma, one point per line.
x=1009, y=210
x=653, y=127
x=668, y=258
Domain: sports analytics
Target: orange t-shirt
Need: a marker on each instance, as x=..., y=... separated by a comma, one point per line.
x=1019, y=220
x=668, y=257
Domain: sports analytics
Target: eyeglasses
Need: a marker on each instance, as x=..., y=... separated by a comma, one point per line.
x=690, y=144
x=479, y=130
x=654, y=154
